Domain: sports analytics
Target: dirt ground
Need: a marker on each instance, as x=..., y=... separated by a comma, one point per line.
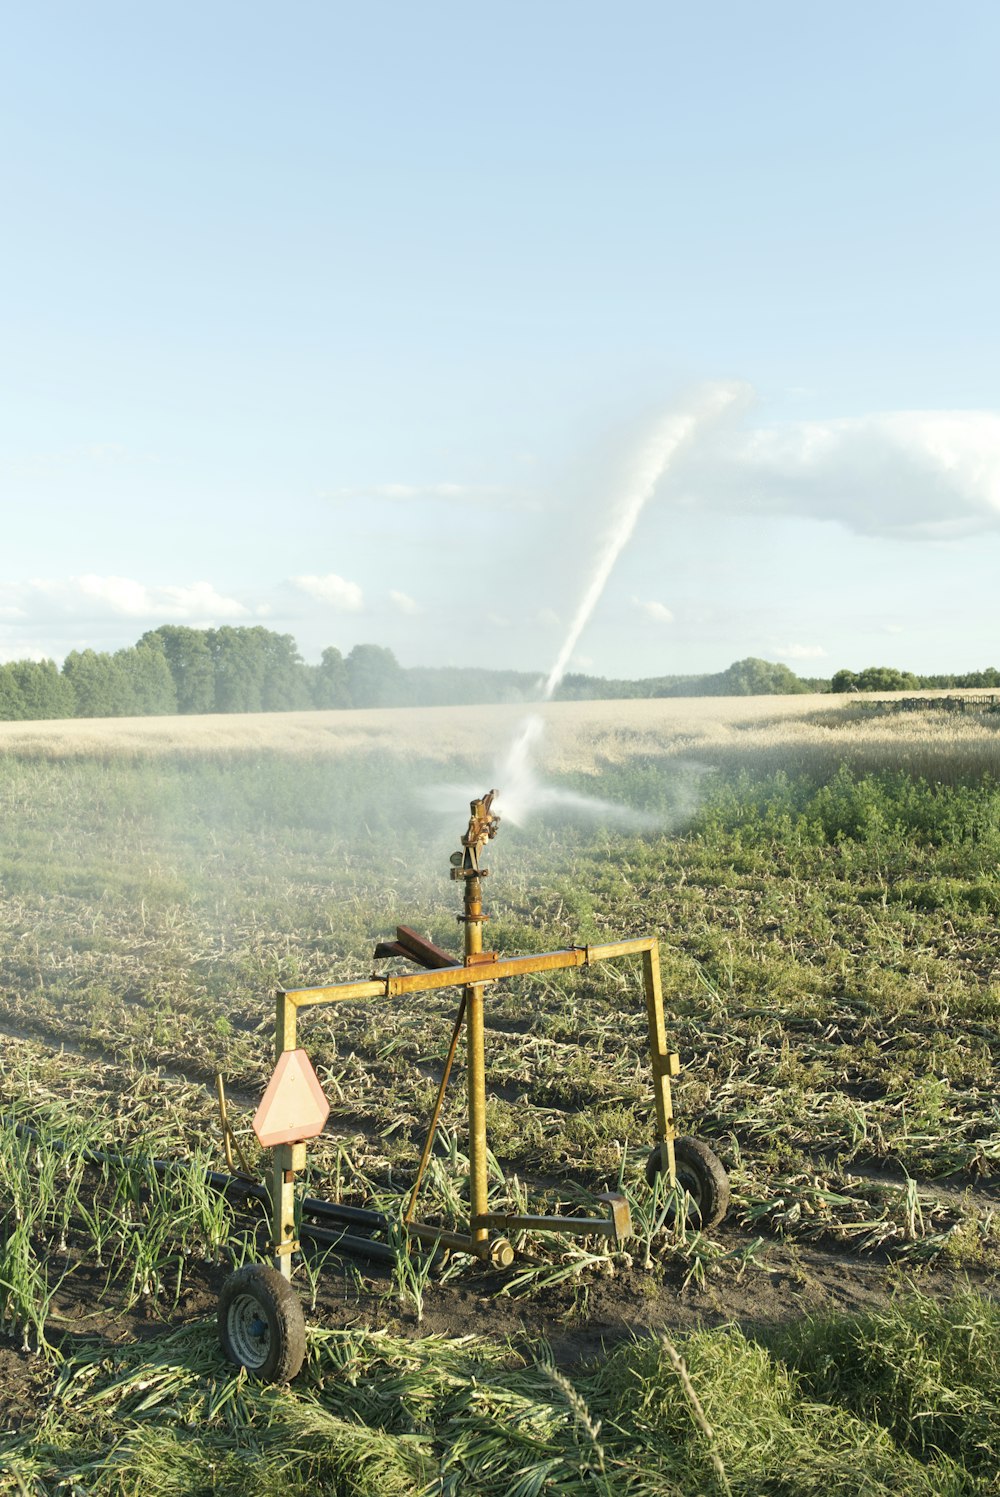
x=580, y=1319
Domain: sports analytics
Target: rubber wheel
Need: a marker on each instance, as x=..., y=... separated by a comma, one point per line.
x=700, y=1173
x=261, y=1325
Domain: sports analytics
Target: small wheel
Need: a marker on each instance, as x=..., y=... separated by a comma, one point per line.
x=261, y=1325
x=700, y=1173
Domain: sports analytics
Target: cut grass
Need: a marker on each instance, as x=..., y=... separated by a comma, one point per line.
x=717, y=1412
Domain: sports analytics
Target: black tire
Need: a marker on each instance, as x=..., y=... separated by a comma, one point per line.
x=261, y=1325
x=700, y=1173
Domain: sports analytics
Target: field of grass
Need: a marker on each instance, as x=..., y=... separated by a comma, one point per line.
x=826, y=894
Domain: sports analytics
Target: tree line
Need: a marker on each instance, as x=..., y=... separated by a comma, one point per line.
x=176, y=669
x=885, y=678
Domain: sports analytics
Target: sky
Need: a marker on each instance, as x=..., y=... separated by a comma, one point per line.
x=351, y=320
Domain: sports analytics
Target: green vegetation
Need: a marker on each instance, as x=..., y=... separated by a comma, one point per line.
x=176, y=669
x=828, y=953
x=887, y=678
x=904, y=1399
x=744, y=678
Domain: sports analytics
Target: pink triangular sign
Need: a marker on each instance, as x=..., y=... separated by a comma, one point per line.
x=293, y=1107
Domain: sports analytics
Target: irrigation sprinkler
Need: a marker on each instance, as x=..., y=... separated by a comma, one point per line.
x=260, y=1317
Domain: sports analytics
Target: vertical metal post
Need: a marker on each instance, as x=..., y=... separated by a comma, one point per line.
x=475, y=1046
x=663, y=1062
x=286, y=1158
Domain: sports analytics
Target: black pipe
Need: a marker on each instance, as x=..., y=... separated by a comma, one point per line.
x=346, y=1242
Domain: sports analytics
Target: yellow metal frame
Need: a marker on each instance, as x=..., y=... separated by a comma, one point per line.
x=480, y=970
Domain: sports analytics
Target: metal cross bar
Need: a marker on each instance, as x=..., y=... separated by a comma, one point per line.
x=457, y=977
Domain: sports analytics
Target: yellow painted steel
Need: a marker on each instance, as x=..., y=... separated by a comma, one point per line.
x=662, y=1059
x=432, y=1127
x=478, y=971
x=230, y=1142
x=458, y=977
x=286, y=1159
x=617, y=1224
x=476, y=1066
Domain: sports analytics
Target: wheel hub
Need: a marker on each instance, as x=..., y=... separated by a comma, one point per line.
x=249, y=1331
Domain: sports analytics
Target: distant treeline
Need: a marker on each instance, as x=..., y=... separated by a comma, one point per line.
x=884, y=678
x=175, y=669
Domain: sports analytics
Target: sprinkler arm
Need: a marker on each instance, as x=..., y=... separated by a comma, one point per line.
x=483, y=827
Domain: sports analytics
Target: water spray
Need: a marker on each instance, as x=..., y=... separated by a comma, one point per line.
x=662, y=445
x=671, y=434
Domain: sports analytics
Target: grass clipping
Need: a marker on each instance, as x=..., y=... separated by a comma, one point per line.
x=902, y=1399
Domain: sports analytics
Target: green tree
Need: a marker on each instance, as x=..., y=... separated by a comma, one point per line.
x=286, y=685
x=238, y=664
x=329, y=680
x=10, y=695
x=375, y=678
x=32, y=690
x=257, y=670
x=189, y=660
x=886, y=678
x=150, y=685
x=753, y=677
x=100, y=682
x=844, y=680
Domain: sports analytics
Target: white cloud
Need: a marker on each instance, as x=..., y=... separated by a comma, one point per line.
x=404, y=603
x=121, y=597
x=658, y=613
x=344, y=596
x=548, y=618
x=921, y=474
x=800, y=652
x=28, y=649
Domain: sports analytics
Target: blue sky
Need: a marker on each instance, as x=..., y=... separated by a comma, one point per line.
x=349, y=320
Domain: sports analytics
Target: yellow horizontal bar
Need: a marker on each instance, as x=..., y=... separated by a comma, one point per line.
x=577, y=1226
x=460, y=977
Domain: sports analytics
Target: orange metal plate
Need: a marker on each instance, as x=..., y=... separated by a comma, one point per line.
x=293, y=1107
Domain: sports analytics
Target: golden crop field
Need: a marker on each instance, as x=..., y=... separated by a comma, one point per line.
x=755, y=733
x=578, y=733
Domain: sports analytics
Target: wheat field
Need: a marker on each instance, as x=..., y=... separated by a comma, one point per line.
x=756, y=733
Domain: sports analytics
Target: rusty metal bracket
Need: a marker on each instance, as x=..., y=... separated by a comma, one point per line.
x=283, y=1249
x=621, y=1216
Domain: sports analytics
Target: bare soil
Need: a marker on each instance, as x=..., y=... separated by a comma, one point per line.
x=580, y=1319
